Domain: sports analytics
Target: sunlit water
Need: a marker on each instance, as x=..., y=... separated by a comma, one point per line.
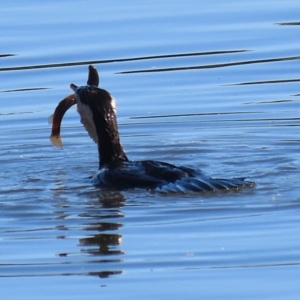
x=209, y=85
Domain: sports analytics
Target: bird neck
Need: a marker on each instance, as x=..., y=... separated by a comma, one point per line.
x=109, y=145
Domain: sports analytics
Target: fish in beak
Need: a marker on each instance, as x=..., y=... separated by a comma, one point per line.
x=64, y=105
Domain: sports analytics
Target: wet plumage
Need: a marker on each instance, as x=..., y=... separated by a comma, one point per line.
x=98, y=115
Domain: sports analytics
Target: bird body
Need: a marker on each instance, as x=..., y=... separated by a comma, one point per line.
x=98, y=115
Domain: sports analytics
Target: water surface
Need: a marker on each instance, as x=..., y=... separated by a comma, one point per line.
x=212, y=85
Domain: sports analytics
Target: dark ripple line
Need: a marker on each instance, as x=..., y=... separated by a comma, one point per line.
x=99, y=273
x=265, y=82
x=196, y=114
x=238, y=63
x=231, y=120
x=118, y=272
x=288, y=23
x=57, y=263
x=6, y=55
x=24, y=90
x=263, y=265
x=16, y=113
x=261, y=120
x=270, y=102
x=105, y=61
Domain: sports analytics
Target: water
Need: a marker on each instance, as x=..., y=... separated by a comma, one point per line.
x=209, y=85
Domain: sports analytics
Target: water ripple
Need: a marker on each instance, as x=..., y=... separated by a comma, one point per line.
x=114, y=60
x=212, y=66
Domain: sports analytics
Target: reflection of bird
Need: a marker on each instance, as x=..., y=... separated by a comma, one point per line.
x=98, y=115
x=104, y=243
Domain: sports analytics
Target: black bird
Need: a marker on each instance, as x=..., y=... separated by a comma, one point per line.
x=98, y=115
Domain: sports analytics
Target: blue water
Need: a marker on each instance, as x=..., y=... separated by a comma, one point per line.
x=209, y=85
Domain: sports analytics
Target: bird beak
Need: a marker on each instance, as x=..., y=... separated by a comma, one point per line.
x=73, y=87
